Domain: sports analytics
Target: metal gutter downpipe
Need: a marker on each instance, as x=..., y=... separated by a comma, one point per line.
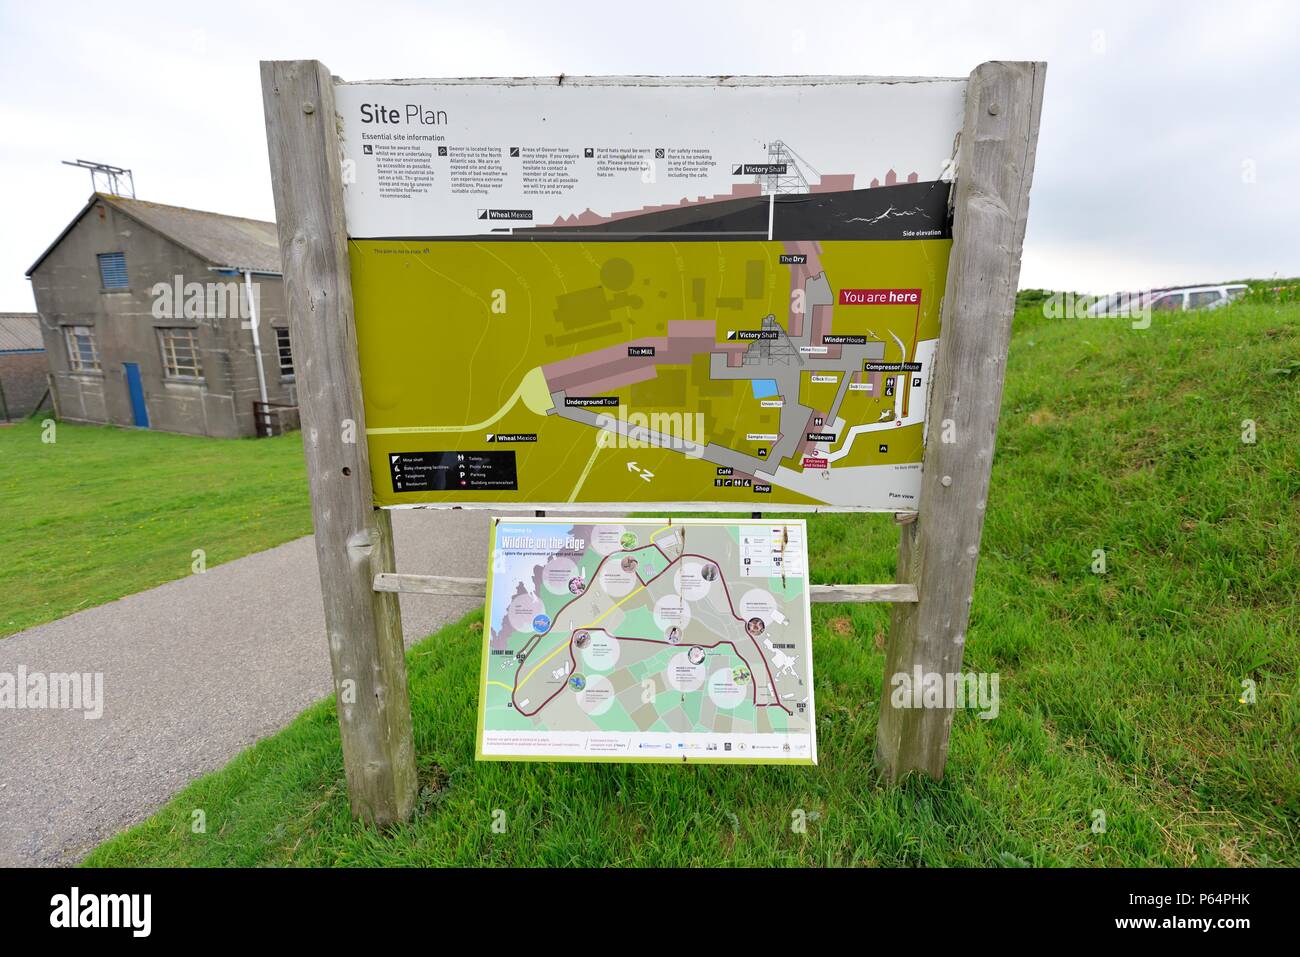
x=257, y=339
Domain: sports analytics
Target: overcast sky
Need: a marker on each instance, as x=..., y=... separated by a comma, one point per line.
x=1168, y=129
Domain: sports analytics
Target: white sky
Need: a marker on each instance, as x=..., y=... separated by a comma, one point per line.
x=1168, y=129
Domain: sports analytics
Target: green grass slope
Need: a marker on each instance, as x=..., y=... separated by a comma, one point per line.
x=1120, y=692
x=102, y=512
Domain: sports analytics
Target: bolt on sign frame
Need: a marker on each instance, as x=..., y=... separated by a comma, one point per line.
x=940, y=537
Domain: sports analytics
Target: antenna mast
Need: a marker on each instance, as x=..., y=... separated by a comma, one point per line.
x=115, y=177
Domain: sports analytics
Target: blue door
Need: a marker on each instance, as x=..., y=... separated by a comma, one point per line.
x=139, y=412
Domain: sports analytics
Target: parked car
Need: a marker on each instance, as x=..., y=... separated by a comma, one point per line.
x=1196, y=297
x=1174, y=300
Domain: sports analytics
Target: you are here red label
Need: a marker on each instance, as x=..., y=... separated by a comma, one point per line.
x=880, y=297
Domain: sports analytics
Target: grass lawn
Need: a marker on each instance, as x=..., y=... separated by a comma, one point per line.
x=105, y=512
x=1119, y=691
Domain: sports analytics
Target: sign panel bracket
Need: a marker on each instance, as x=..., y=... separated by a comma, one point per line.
x=449, y=586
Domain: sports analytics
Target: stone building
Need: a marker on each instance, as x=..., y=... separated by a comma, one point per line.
x=23, y=383
x=163, y=317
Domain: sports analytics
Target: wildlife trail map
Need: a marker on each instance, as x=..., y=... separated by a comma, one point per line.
x=683, y=640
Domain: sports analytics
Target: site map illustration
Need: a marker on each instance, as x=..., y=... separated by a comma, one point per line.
x=553, y=308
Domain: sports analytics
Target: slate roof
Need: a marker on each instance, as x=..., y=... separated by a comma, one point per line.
x=20, y=332
x=231, y=242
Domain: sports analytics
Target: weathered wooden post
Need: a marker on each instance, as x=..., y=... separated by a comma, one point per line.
x=354, y=540
x=938, y=553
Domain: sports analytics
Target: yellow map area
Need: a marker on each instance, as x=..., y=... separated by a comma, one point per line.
x=543, y=350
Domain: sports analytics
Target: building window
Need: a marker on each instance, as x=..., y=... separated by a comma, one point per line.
x=180, y=352
x=285, y=353
x=112, y=271
x=83, y=355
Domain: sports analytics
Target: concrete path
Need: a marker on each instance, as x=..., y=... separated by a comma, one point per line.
x=194, y=672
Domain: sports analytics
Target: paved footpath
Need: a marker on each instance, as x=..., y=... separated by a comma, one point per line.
x=194, y=672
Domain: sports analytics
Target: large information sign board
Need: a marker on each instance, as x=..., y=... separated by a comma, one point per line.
x=716, y=294
x=648, y=640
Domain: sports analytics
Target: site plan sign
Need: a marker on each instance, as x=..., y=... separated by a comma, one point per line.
x=648, y=640
x=648, y=295
x=700, y=292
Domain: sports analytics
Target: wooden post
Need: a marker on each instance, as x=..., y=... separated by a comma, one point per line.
x=938, y=553
x=54, y=396
x=354, y=540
